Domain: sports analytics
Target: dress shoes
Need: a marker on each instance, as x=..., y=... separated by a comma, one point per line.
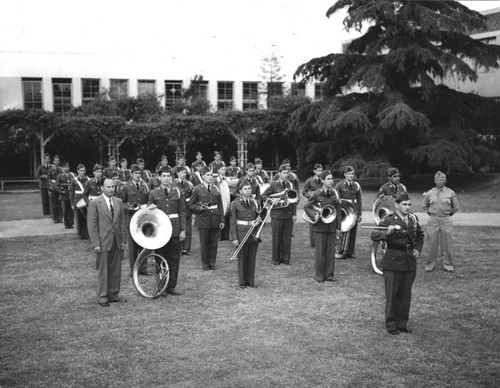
x=118, y=300
x=206, y=269
x=251, y=285
x=393, y=331
x=405, y=330
x=286, y=262
x=104, y=304
x=173, y=292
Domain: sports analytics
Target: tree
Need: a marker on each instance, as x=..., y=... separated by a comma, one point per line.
x=386, y=84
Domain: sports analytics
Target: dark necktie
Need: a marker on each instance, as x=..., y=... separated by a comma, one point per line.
x=137, y=185
x=111, y=208
x=209, y=188
x=166, y=192
x=328, y=192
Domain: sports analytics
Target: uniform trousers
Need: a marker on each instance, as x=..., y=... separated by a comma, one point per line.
x=68, y=215
x=324, y=255
x=352, y=239
x=397, y=298
x=56, y=208
x=246, y=263
x=209, y=241
x=172, y=253
x=282, y=239
x=224, y=234
x=439, y=228
x=45, y=201
x=81, y=223
x=311, y=235
x=186, y=243
x=109, y=267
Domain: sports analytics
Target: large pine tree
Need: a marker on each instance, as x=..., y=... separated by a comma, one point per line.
x=389, y=101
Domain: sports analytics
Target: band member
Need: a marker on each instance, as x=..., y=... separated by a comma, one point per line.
x=351, y=190
x=233, y=171
x=199, y=158
x=243, y=212
x=282, y=218
x=63, y=184
x=312, y=184
x=111, y=168
x=186, y=188
x=134, y=194
x=405, y=240
x=216, y=163
x=293, y=178
x=393, y=186
x=259, y=170
x=168, y=198
x=145, y=174
x=55, y=170
x=251, y=178
x=76, y=194
x=324, y=234
x=224, y=234
x=154, y=182
x=197, y=178
x=124, y=172
x=93, y=187
x=206, y=203
x=43, y=174
x=181, y=163
x=108, y=233
x=441, y=204
x=118, y=184
x=162, y=163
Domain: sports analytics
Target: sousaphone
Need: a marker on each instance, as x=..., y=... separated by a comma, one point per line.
x=382, y=207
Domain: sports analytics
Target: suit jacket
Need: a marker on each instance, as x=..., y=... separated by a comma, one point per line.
x=173, y=204
x=102, y=227
x=400, y=243
x=319, y=198
x=280, y=213
x=206, y=218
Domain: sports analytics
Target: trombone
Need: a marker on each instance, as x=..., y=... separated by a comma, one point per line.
x=268, y=205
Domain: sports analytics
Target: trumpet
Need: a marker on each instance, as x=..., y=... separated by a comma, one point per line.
x=327, y=214
x=285, y=197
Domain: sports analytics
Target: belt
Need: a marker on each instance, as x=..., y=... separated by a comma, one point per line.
x=241, y=222
x=78, y=191
x=213, y=207
x=174, y=215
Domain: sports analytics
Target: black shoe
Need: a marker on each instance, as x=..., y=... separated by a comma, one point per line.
x=393, y=331
x=173, y=292
x=213, y=268
x=251, y=285
x=104, y=304
x=184, y=253
x=118, y=300
x=206, y=269
x=405, y=330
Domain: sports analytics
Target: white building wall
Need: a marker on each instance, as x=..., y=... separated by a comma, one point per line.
x=11, y=93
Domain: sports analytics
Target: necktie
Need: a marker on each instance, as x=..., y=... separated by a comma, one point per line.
x=137, y=185
x=328, y=192
x=111, y=208
x=166, y=192
x=209, y=188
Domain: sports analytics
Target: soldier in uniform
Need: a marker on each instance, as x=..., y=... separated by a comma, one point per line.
x=244, y=211
x=405, y=240
x=199, y=159
x=216, y=164
x=111, y=168
x=63, y=185
x=292, y=177
x=206, y=203
x=118, y=184
x=43, y=173
x=123, y=172
x=93, y=187
x=196, y=177
x=251, y=178
x=162, y=163
x=324, y=234
x=76, y=194
x=351, y=190
x=186, y=188
x=145, y=174
x=233, y=171
x=55, y=170
x=393, y=186
x=312, y=184
x=181, y=163
x=259, y=170
x=168, y=198
x=134, y=194
x=282, y=218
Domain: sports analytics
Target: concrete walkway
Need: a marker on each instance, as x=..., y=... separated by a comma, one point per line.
x=46, y=227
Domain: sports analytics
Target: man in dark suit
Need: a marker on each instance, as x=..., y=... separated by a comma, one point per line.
x=206, y=203
x=43, y=173
x=283, y=215
x=168, y=198
x=405, y=240
x=108, y=233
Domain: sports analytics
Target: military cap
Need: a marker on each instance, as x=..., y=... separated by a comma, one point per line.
x=392, y=171
x=97, y=166
x=400, y=197
x=325, y=173
x=134, y=168
x=317, y=165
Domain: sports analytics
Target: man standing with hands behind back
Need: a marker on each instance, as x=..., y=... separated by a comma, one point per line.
x=108, y=233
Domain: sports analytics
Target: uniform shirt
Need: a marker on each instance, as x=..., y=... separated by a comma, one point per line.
x=124, y=175
x=441, y=202
x=207, y=218
x=319, y=199
x=131, y=194
x=196, y=179
x=282, y=213
x=77, y=189
x=92, y=189
x=43, y=173
x=391, y=189
x=350, y=191
x=214, y=166
x=242, y=211
x=233, y=172
x=54, y=171
x=311, y=185
x=172, y=204
x=186, y=188
x=63, y=184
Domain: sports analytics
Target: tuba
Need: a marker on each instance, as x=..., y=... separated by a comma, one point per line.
x=348, y=220
x=327, y=214
x=382, y=207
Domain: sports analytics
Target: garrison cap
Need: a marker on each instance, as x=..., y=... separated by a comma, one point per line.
x=204, y=170
x=97, y=166
x=400, y=197
x=134, y=168
x=325, y=173
x=165, y=169
x=317, y=165
x=440, y=174
x=283, y=167
x=392, y=171
x=243, y=183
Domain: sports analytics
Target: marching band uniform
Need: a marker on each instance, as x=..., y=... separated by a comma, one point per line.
x=76, y=194
x=206, y=203
x=186, y=188
x=224, y=233
x=324, y=234
x=233, y=171
x=259, y=171
x=199, y=159
x=145, y=174
x=216, y=164
x=170, y=201
x=179, y=167
x=281, y=222
x=196, y=177
x=110, y=170
x=351, y=192
x=243, y=212
x=43, y=173
x=92, y=189
x=63, y=185
x=134, y=193
x=393, y=186
x=124, y=174
x=399, y=265
x=57, y=215
x=312, y=184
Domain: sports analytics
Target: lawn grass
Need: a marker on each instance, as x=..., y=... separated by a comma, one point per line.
x=290, y=331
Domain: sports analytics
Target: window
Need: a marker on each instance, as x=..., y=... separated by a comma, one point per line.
x=250, y=95
x=32, y=93
x=298, y=89
x=145, y=86
x=224, y=95
x=319, y=91
x=200, y=89
x=90, y=90
x=173, y=92
x=274, y=89
x=61, y=89
x=118, y=88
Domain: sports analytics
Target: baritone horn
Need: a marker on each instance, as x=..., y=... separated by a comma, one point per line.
x=327, y=214
x=286, y=197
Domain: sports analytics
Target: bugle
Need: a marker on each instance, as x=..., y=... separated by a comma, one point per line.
x=327, y=214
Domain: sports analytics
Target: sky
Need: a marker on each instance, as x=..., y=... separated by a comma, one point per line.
x=215, y=38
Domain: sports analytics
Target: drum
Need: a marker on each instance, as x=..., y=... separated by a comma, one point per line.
x=226, y=196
